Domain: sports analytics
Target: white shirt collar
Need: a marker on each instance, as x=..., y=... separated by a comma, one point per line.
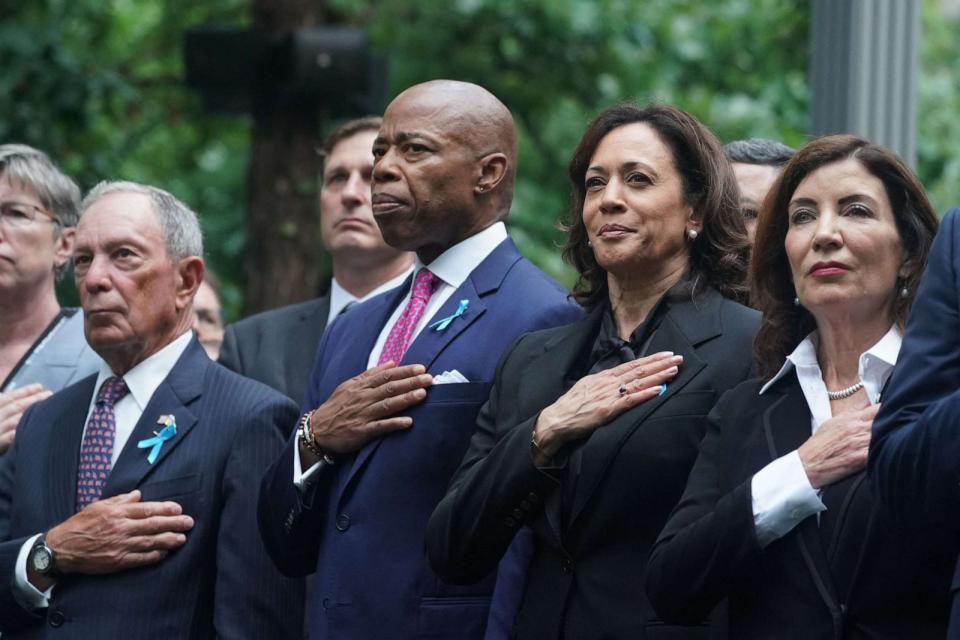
x=883, y=353
x=146, y=376
x=454, y=265
x=340, y=297
x=875, y=366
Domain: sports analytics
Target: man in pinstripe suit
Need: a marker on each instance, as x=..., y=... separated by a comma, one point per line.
x=133, y=491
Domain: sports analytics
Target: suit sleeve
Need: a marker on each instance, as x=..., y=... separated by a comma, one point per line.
x=473, y=525
x=289, y=523
x=13, y=616
x=230, y=350
x=709, y=541
x=253, y=600
x=915, y=448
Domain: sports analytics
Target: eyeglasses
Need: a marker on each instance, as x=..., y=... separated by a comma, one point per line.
x=21, y=214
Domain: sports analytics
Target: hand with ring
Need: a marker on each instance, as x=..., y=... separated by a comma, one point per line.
x=596, y=399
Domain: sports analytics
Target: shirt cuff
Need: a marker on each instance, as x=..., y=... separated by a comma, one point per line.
x=782, y=498
x=25, y=593
x=302, y=478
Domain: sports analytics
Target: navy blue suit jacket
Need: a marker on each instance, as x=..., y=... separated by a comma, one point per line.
x=915, y=450
x=362, y=526
x=221, y=582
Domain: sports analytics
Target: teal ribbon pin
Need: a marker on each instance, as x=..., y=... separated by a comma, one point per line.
x=156, y=442
x=442, y=324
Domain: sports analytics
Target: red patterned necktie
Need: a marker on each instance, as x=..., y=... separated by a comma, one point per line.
x=399, y=338
x=96, y=450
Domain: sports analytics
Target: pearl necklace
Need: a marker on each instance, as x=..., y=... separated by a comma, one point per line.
x=845, y=393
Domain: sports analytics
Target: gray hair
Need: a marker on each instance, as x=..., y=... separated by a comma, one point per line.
x=758, y=151
x=179, y=224
x=33, y=169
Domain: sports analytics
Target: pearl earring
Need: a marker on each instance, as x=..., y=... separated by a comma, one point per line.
x=796, y=301
x=692, y=234
x=904, y=292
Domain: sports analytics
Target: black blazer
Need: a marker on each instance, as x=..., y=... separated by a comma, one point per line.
x=853, y=574
x=585, y=579
x=277, y=347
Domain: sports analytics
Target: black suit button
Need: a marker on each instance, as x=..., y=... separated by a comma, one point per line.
x=517, y=514
x=566, y=567
x=343, y=522
x=534, y=498
x=326, y=603
x=510, y=522
x=56, y=618
x=525, y=505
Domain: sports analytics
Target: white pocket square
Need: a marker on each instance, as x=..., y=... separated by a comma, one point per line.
x=449, y=377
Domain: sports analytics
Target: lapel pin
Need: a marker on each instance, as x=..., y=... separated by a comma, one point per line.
x=443, y=323
x=159, y=437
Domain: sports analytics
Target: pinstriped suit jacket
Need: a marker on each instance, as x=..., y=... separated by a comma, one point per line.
x=221, y=582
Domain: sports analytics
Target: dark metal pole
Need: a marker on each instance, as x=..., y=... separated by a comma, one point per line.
x=863, y=70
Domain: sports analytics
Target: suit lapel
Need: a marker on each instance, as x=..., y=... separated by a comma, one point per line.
x=64, y=453
x=181, y=388
x=484, y=280
x=431, y=342
x=786, y=425
x=606, y=441
x=541, y=386
x=297, y=362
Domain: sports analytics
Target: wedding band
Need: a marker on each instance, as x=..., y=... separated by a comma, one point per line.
x=622, y=390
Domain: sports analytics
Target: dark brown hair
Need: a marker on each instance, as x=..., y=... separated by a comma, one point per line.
x=718, y=256
x=349, y=129
x=786, y=324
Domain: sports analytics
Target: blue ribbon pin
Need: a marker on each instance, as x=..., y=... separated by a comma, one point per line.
x=442, y=324
x=156, y=442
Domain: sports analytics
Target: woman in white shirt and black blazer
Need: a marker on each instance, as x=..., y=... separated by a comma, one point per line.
x=776, y=515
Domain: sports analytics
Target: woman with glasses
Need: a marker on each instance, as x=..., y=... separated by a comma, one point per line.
x=42, y=348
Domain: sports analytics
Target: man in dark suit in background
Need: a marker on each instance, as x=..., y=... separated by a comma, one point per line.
x=398, y=382
x=132, y=491
x=277, y=347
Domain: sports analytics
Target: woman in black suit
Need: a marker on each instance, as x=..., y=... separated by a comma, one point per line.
x=775, y=519
x=591, y=428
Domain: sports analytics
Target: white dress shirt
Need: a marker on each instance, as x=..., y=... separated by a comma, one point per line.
x=340, y=297
x=453, y=267
x=782, y=494
x=142, y=381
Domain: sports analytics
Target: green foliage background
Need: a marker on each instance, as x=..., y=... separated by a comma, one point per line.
x=98, y=84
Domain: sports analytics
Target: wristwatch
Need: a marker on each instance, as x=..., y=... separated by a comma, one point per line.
x=42, y=559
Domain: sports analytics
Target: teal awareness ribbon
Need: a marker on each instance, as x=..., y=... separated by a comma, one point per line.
x=156, y=442
x=442, y=324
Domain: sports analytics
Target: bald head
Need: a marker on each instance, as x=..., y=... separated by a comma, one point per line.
x=470, y=112
x=445, y=161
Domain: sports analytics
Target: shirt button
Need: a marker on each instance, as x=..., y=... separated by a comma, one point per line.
x=343, y=522
x=56, y=618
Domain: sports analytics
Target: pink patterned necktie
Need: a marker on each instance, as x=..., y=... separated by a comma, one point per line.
x=97, y=447
x=399, y=338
